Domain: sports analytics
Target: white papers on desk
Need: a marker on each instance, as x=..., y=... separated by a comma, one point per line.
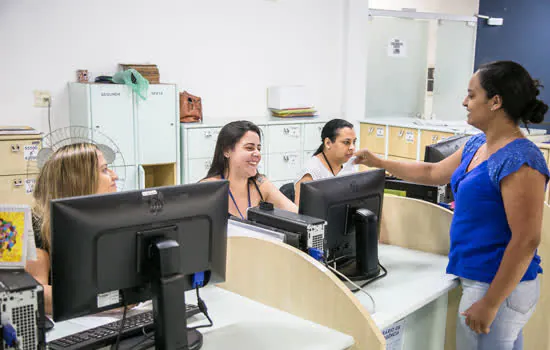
x=394, y=335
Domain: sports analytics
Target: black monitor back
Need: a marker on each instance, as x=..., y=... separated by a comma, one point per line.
x=96, y=250
x=441, y=150
x=336, y=199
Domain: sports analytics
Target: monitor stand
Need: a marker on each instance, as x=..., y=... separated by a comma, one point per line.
x=365, y=264
x=168, y=287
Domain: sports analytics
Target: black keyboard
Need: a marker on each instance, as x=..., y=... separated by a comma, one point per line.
x=101, y=336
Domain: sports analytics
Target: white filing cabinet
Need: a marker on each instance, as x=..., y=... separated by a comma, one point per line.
x=286, y=145
x=146, y=131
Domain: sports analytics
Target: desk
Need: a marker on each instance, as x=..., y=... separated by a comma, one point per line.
x=415, y=289
x=239, y=323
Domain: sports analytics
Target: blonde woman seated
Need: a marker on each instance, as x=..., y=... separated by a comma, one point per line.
x=73, y=170
x=236, y=159
x=332, y=158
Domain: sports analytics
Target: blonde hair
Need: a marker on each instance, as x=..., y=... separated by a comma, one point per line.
x=72, y=170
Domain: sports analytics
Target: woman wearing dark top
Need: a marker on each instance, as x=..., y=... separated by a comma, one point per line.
x=236, y=158
x=73, y=170
x=498, y=180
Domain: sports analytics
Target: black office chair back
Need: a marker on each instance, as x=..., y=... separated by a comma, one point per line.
x=288, y=190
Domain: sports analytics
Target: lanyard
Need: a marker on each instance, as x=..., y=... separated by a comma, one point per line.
x=332, y=171
x=235, y=202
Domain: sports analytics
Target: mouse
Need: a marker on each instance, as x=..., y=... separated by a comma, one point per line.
x=48, y=323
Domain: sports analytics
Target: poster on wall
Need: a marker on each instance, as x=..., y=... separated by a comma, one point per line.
x=397, y=48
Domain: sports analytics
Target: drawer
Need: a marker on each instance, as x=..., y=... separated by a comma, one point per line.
x=307, y=155
x=284, y=166
x=402, y=142
x=373, y=138
x=17, y=189
x=197, y=169
x=18, y=156
x=284, y=138
x=431, y=137
x=312, y=135
x=201, y=142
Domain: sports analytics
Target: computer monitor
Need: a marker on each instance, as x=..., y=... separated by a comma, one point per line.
x=351, y=205
x=122, y=248
x=441, y=150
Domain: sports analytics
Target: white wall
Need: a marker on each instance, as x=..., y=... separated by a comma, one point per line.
x=227, y=52
x=456, y=7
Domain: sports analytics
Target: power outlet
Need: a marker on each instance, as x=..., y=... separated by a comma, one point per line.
x=42, y=98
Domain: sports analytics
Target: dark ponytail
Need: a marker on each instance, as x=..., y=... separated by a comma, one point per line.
x=331, y=130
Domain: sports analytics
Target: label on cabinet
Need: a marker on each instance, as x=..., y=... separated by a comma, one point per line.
x=409, y=136
x=394, y=335
x=30, y=152
x=29, y=185
x=380, y=132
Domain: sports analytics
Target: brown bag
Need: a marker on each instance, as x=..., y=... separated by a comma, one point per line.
x=190, y=108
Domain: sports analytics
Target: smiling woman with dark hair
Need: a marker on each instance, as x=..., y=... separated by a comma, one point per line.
x=236, y=158
x=498, y=180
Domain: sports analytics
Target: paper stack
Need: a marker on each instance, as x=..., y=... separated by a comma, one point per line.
x=290, y=101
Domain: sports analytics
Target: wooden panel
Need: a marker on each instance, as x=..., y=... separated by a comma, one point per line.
x=536, y=335
x=402, y=159
x=399, y=215
x=14, y=154
x=290, y=280
x=402, y=142
x=160, y=175
x=428, y=137
x=373, y=138
x=17, y=189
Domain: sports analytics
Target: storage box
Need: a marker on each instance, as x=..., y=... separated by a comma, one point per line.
x=288, y=97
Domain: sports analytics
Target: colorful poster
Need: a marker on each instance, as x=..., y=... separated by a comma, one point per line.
x=15, y=228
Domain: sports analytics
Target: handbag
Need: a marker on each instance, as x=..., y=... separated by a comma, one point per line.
x=190, y=108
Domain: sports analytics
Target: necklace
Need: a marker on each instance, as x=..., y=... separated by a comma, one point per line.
x=486, y=150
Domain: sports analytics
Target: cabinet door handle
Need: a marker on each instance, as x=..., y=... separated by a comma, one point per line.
x=208, y=133
x=15, y=148
x=434, y=138
x=97, y=126
x=286, y=131
x=401, y=132
x=17, y=183
x=371, y=129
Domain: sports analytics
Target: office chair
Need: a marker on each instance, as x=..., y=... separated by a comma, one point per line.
x=288, y=190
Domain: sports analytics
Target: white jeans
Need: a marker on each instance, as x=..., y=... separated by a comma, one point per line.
x=506, y=330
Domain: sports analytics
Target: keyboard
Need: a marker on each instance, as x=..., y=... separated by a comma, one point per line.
x=106, y=334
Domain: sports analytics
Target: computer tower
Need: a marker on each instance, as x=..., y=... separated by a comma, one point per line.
x=22, y=308
x=311, y=230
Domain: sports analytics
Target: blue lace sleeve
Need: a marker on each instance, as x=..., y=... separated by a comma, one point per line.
x=473, y=144
x=511, y=159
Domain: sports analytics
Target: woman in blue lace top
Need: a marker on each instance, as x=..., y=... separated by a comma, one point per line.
x=498, y=180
